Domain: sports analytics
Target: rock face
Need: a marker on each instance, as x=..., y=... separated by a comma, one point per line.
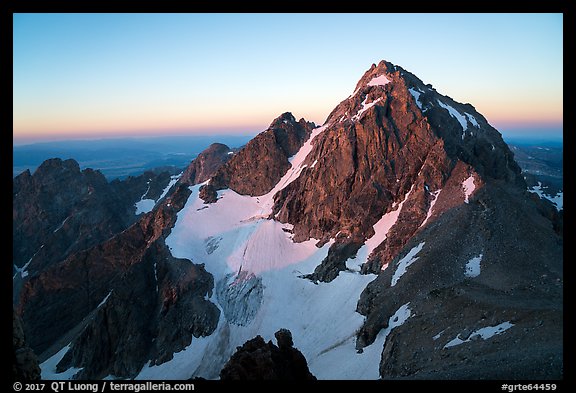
x=155, y=310
x=117, y=292
x=24, y=362
x=60, y=210
x=519, y=285
x=256, y=168
x=124, y=300
x=62, y=206
x=393, y=141
x=258, y=360
x=206, y=164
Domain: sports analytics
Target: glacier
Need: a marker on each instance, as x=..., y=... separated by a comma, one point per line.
x=240, y=246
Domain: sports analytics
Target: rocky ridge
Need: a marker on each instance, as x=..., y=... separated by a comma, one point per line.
x=256, y=168
x=127, y=295
x=60, y=210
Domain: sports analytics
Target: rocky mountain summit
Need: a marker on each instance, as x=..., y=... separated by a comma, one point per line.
x=263, y=161
x=398, y=240
x=391, y=142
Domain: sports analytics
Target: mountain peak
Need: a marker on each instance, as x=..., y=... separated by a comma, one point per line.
x=284, y=118
x=376, y=75
x=263, y=161
x=59, y=165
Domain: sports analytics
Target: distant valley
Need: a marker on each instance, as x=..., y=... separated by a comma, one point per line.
x=120, y=158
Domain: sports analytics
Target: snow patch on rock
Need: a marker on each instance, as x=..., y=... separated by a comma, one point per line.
x=379, y=81
x=557, y=200
x=416, y=94
x=483, y=333
x=468, y=186
x=473, y=267
x=405, y=262
x=365, y=107
x=455, y=114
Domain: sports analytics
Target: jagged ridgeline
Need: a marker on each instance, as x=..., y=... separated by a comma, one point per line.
x=397, y=240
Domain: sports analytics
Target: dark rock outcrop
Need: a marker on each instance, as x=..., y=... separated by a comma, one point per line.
x=157, y=309
x=257, y=360
x=334, y=262
x=135, y=269
x=126, y=291
x=519, y=280
x=24, y=361
x=208, y=193
x=256, y=168
x=78, y=283
x=61, y=210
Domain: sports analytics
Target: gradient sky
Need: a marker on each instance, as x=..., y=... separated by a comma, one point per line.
x=97, y=75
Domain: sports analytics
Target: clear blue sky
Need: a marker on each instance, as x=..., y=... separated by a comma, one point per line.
x=89, y=75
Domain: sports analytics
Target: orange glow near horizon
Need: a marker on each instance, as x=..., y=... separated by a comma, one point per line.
x=235, y=123
x=98, y=75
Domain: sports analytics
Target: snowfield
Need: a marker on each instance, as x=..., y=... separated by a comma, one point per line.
x=146, y=205
x=258, y=286
x=365, y=107
x=405, y=262
x=321, y=317
x=381, y=229
x=48, y=367
x=379, y=81
x=416, y=94
x=432, y=203
x=235, y=240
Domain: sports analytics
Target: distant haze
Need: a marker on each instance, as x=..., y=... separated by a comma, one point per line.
x=122, y=157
